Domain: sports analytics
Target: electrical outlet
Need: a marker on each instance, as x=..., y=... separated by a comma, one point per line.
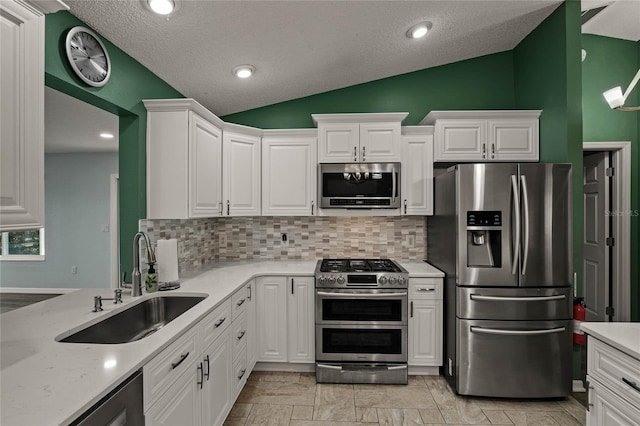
x=410, y=240
x=284, y=238
x=222, y=239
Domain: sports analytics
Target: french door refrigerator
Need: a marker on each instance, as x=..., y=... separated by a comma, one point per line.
x=502, y=235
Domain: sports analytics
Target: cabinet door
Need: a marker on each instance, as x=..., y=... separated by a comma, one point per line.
x=417, y=175
x=241, y=174
x=271, y=318
x=22, y=118
x=425, y=332
x=218, y=384
x=181, y=404
x=608, y=408
x=252, y=335
x=289, y=174
x=380, y=142
x=300, y=308
x=339, y=142
x=513, y=140
x=460, y=140
x=205, y=168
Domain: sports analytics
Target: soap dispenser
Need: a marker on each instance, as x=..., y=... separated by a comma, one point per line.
x=151, y=279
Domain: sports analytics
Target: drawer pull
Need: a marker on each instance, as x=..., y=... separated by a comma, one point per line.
x=244, y=370
x=174, y=365
x=632, y=384
x=201, y=370
x=241, y=334
x=219, y=322
x=240, y=302
x=426, y=289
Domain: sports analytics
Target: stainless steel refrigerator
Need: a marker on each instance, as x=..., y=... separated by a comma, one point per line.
x=502, y=235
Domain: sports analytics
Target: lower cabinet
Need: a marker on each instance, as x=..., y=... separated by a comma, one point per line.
x=425, y=324
x=285, y=319
x=217, y=381
x=607, y=408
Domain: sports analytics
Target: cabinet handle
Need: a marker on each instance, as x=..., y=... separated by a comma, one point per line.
x=484, y=150
x=355, y=153
x=175, y=365
x=228, y=208
x=201, y=370
x=208, y=367
x=244, y=370
x=291, y=285
x=405, y=206
x=241, y=334
x=221, y=208
x=312, y=205
x=493, y=150
x=240, y=302
x=219, y=322
x=634, y=385
x=363, y=154
x=249, y=288
x=589, y=404
x=411, y=309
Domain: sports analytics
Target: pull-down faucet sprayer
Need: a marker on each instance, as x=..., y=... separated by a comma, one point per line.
x=136, y=286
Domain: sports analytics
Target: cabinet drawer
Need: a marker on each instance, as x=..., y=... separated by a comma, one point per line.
x=425, y=288
x=239, y=334
x=607, y=408
x=239, y=301
x=616, y=370
x=166, y=367
x=215, y=323
x=240, y=372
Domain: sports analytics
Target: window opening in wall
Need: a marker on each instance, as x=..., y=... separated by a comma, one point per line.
x=22, y=245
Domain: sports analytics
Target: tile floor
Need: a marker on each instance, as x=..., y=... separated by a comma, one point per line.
x=294, y=399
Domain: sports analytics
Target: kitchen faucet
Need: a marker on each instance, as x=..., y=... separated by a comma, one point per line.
x=136, y=286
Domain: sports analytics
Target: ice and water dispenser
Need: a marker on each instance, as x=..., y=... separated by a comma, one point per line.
x=484, y=239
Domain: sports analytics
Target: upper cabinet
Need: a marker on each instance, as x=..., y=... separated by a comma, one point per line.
x=22, y=118
x=241, y=170
x=289, y=172
x=485, y=135
x=365, y=138
x=184, y=160
x=417, y=170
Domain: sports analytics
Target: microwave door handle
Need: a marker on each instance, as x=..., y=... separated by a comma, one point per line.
x=395, y=186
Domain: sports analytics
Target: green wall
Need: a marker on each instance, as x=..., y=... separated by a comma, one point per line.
x=130, y=82
x=609, y=63
x=485, y=82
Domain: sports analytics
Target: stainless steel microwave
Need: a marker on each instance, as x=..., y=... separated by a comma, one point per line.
x=359, y=185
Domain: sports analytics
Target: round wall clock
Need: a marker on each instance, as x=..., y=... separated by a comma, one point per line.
x=88, y=57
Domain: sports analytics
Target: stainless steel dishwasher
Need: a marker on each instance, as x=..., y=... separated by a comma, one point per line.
x=122, y=406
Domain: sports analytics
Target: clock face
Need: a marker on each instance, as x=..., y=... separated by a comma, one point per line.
x=88, y=57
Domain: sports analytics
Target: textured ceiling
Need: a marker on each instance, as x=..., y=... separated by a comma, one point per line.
x=74, y=126
x=303, y=47
x=620, y=19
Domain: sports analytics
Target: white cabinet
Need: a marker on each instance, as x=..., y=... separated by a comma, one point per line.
x=485, y=135
x=252, y=341
x=285, y=319
x=614, y=385
x=417, y=170
x=348, y=138
x=22, y=118
x=217, y=380
x=425, y=325
x=184, y=160
x=289, y=172
x=241, y=172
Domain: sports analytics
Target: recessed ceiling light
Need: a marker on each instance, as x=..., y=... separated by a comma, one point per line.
x=244, y=71
x=162, y=7
x=106, y=135
x=419, y=30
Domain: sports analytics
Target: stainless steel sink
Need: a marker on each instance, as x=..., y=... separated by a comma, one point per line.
x=136, y=322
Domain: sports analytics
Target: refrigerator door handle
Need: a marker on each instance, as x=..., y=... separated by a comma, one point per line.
x=517, y=299
x=516, y=205
x=525, y=243
x=503, y=332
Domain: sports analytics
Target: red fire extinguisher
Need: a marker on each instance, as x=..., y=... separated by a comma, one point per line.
x=579, y=314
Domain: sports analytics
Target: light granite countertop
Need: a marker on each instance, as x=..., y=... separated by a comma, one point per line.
x=47, y=382
x=624, y=336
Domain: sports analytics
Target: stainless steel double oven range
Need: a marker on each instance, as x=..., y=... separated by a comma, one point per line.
x=361, y=321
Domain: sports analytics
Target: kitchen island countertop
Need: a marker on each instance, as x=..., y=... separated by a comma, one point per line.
x=47, y=382
x=624, y=336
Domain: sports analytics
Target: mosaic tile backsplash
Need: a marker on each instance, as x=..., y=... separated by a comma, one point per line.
x=201, y=241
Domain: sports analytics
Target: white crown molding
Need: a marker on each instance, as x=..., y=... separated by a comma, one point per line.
x=431, y=118
x=359, y=118
x=417, y=130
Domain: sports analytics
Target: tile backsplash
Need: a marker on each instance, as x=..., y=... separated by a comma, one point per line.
x=202, y=241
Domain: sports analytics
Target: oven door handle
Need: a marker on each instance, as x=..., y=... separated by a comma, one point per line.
x=363, y=295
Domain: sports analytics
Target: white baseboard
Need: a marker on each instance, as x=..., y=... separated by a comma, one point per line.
x=423, y=371
x=578, y=386
x=29, y=290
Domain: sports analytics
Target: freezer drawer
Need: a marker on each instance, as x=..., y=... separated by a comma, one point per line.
x=514, y=303
x=514, y=359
